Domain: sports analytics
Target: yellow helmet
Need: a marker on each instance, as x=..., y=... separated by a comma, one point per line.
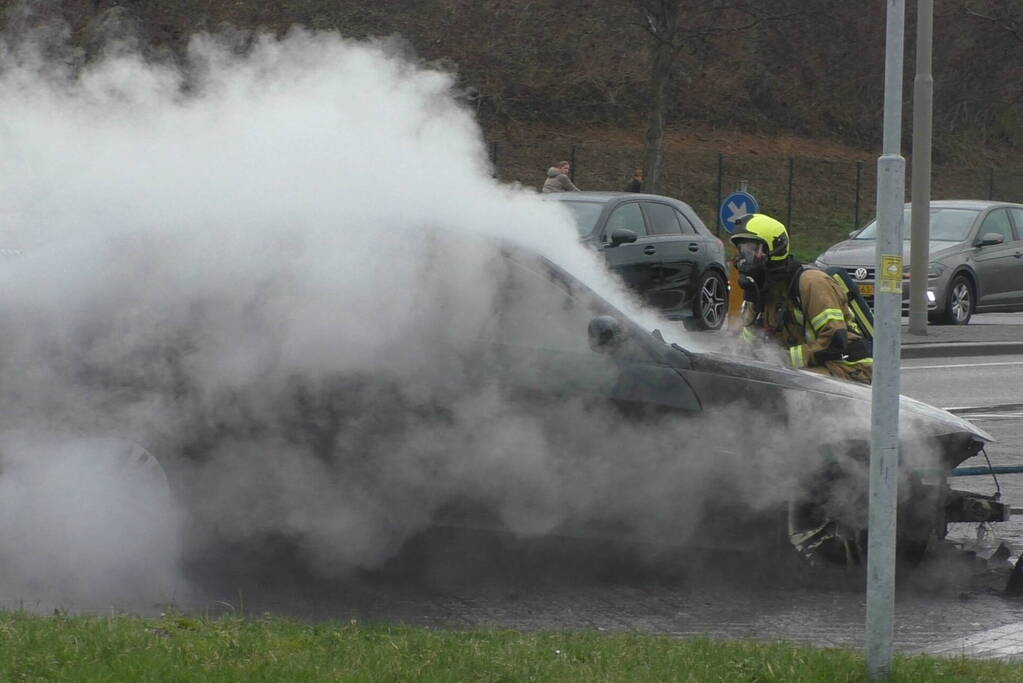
x=762, y=228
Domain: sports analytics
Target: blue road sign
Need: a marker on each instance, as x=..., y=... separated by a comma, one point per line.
x=735, y=205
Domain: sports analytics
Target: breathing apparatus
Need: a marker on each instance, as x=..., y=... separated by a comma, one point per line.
x=763, y=246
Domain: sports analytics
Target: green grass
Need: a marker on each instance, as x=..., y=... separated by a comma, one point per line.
x=180, y=648
x=808, y=244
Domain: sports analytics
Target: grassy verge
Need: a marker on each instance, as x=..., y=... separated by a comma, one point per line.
x=178, y=648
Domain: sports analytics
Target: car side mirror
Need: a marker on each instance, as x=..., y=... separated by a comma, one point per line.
x=621, y=236
x=990, y=238
x=605, y=334
x=853, y=234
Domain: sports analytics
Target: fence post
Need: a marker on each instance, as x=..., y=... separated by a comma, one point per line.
x=856, y=207
x=792, y=173
x=991, y=183
x=571, y=160
x=721, y=173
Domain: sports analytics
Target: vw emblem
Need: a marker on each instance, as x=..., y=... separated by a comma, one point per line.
x=861, y=273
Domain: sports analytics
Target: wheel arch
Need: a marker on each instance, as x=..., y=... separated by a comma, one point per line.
x=971, y=275
x=717, y=268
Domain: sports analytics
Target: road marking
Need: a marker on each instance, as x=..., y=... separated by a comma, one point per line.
x=1003, y=408
x=1007, y=411
x=992, y=417
x=960, y=365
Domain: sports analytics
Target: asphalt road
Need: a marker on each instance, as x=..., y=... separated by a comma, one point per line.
x=958, y=382
x=986, y=390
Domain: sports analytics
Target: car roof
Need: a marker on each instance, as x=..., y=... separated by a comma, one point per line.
x=599, y=195
x=602, y=197
x=968, y=204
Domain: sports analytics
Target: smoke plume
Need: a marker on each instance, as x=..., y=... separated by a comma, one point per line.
x=270, y=264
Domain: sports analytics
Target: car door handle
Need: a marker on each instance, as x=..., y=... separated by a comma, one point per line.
x=649, y=250
x=693, y=246
x=1018, y=254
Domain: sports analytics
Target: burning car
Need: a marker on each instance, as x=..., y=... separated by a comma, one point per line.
x=534, y=406
x=551, y=411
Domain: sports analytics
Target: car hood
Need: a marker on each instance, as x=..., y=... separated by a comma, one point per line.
x=864, y=252
x=809, y=398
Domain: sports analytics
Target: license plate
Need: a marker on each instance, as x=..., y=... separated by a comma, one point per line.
x=867, y=290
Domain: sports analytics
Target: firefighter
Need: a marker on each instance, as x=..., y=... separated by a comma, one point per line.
x=798, y=307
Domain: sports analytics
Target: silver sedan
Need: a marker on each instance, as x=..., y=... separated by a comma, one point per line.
x=975, y=264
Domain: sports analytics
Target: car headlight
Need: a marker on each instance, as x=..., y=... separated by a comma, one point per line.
x=821, y=263
x=935, y=269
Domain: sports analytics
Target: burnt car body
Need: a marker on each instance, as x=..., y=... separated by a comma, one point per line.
x=543, y=411
x=661, y=249
x=633, y=437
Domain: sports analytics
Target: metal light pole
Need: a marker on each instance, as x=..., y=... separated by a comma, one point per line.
x=884, y=417
x=923, y=95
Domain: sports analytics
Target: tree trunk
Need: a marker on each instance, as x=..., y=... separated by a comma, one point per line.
x=664, y=24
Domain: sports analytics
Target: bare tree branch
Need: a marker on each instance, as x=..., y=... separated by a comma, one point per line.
x=1003, y=22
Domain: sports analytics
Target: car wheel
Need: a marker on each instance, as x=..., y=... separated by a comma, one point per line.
x=711, y=304
x=959, y=302
x=827, y=519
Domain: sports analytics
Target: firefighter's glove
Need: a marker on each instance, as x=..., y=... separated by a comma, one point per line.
x=838, y=349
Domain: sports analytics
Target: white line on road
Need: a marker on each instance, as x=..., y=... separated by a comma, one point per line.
x=960, y=365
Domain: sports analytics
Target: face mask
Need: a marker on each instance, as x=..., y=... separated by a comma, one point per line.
x=752, y=266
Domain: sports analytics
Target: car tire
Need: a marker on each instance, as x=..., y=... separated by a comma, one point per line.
x=710, y=306
x=959, y=302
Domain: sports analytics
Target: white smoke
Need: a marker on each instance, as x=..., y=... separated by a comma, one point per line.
x=200, y=242
x=88, y=520
x=270, y=267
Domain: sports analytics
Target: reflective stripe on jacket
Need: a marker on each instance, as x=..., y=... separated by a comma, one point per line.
x=810, y=340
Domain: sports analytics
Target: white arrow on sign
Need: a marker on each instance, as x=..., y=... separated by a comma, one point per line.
x=737, y=211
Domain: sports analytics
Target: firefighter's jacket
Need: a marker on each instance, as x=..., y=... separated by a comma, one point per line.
x=820, y=335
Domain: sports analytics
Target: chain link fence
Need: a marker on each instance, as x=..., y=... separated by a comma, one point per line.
x=819, y=200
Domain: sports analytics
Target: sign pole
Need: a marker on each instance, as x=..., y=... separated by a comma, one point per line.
x=884, y=433
x=923, y=96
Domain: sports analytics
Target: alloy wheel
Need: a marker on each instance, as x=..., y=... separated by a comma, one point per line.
x=712, y=302
x=961, y=302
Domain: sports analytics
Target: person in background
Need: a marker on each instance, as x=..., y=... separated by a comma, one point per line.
x=798, y=307
x=558, y=180
x=635, y=182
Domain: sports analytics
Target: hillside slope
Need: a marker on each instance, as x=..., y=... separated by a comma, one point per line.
x=788, y=107
x=812, y=70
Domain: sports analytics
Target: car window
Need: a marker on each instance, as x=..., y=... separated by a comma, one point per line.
x=687, y=225
x=585, y=215
x=997, y=222
x=947, y=225
x=628, y=216
x=533, y=311
x=539, y=308
x=1017, y=216
x=663, y=218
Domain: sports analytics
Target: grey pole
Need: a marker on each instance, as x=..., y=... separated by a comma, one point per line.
x=923, y=94
x=721, y=172
x=884, y=414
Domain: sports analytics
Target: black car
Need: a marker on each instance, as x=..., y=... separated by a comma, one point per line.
x=660, y=248
x=514, y=398
x=552, y=412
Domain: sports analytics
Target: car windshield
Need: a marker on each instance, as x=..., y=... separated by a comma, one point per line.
x=947, y=225
x=585, y=215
